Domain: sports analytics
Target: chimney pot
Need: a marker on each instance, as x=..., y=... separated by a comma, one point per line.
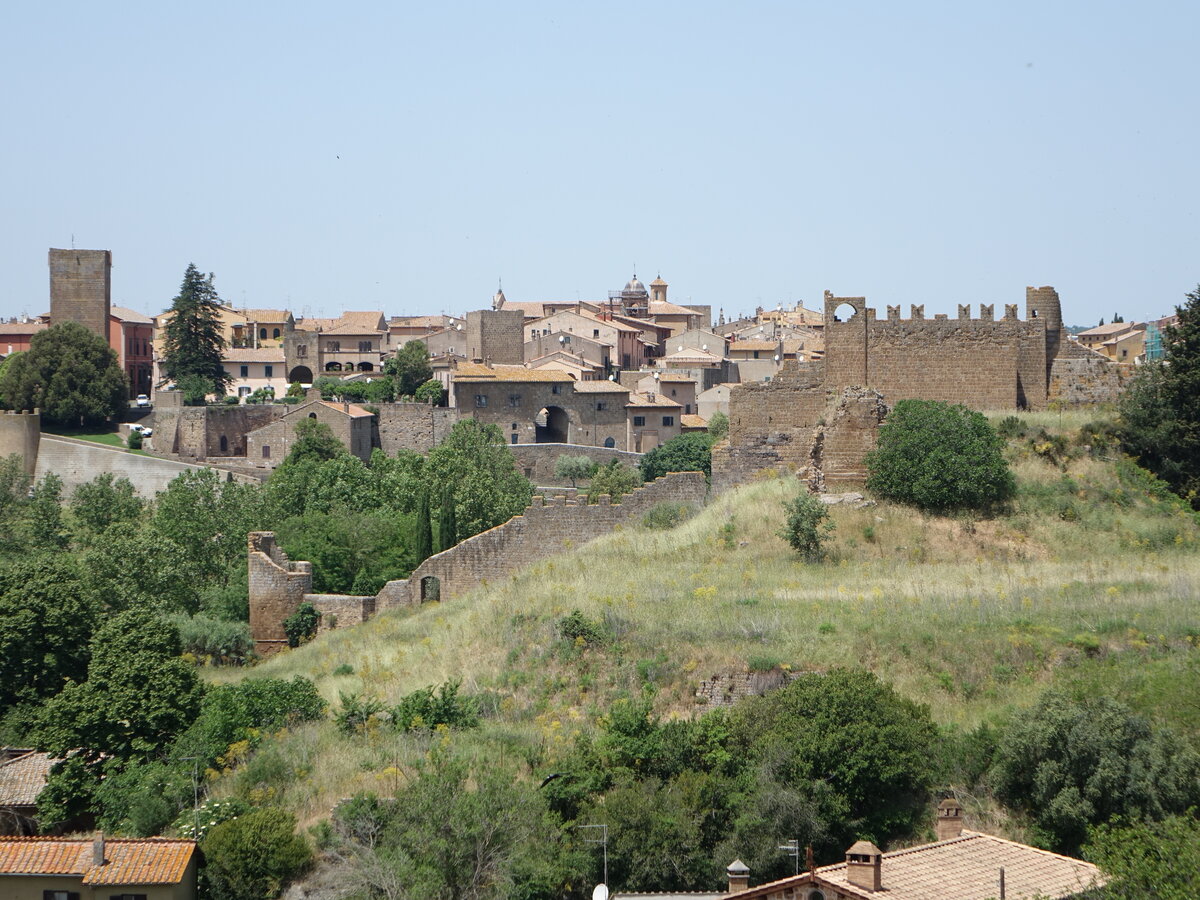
x=949, y=820
x=739, y=876
x=864, y=863
x=98, y=849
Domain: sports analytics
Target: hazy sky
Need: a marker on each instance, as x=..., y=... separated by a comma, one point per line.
x=404, y=157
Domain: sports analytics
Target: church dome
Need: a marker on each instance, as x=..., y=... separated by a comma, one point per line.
x=634, y=286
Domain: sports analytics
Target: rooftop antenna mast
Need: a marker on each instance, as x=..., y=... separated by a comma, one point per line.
x=792, y=849
x=603, y=842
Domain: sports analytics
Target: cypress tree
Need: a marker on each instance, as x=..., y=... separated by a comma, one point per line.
x=424, y=528
x=447, y=525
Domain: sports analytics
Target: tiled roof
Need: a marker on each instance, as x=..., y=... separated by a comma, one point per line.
x=130, y=315
x=753, y=345
x=346, y=323
x=476, y=372
x=676, y=377
x=266, y=315
x=23, y=777
x=253, y=354
x=142, y=861
x=352, y=409
x=1109, y=329
x=22, y=327
x=665, y=308
x=962, y=868
x=532, y=309
x=417, y=322
x=693, y=421
x=691, y=354
x=637, y=398
x=600, y=387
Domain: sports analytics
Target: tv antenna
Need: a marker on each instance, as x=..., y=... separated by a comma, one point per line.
x=792, y=849
x=600, y=891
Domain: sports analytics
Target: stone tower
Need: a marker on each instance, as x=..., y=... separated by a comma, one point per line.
x=658, y=290
x=81, y=288
x=1043, y=303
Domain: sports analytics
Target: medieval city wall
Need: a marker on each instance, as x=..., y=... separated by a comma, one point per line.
x=277, y=587
x=195, y=432
x=21, y=433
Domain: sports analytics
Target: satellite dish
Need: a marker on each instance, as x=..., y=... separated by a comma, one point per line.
x=704, y=346
x=600, y=892
x=681, y=348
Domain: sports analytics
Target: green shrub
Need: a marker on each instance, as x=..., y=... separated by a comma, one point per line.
x=613, y=479
x=666, y=515
x=344, y=669
x=574, y=468
x=134, y=441
x=301, y=626
x=577, y=626
x=215, y=641
x=196, y=823
x=356, y=712
x=938, y=458
x=253, y=856
x=763, y=663
x=807, y=527
x=718, y=426
x=231, y=400
x=428, y=708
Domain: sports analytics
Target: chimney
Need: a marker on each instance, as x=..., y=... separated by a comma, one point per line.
x=863, y=866
x=98, y=849
x=949, y=820
x=739, y=876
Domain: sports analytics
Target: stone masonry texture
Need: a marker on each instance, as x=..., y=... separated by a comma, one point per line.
x=81, y=288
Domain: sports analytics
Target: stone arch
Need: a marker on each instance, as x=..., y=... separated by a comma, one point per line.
x=844, y=312
x=431, y=589
x=302, y=374
x=312, y=415
x=609, y=443
x=333, y=367
x=552, y=425
x=365, y=367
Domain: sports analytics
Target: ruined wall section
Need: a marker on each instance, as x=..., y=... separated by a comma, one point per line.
x=277, y=588
x=1087, y=379
x=412, y=426
x=548, y=526
x=840, y=446
x=195, y=432
x=340, y=610
x=771, y=424
x=537, y=461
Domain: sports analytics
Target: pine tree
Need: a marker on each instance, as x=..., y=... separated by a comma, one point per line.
x=424, y=528
x=194, y=341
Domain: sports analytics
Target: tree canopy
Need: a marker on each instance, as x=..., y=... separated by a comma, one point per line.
x=1160, y=409
x=685, y=453
x=475, y=463
x=69, y=373
x=409, y=368
x=194, y=341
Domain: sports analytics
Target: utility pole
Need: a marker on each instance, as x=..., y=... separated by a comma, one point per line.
x=603, y=842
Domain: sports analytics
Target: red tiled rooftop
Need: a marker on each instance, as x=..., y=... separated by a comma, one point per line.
x=140, y=861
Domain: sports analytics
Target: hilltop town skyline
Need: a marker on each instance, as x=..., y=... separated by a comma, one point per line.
x=408, y=159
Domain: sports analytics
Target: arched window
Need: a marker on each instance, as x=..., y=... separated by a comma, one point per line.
x=275, y=334
x=609, y=443
x=312, y=415
x=224, y=444
x=262, y=334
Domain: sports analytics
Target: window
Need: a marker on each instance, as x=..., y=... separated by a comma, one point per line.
x=266, y=451
x=268, y=371
x=514, y=438
x=245, y=371
x=334, y=346
x=302, y=350
x=556, y=388
x=514, y=400
x=59, y=895
x=224, y=444
x=275, y=333
x=126, y=897
x=514, y=426
x=262, y=334
x=595, y=332
x=639, y=421
x=480, y=401
x=601, y=405
x=668, y=421
x=672, y=392
x=687, y=409
x=364, y=346
x=609, y=442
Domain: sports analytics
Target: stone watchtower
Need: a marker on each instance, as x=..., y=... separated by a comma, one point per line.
x=81, y=289
x=1043, y=303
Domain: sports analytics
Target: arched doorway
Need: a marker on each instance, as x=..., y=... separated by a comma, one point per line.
x=302, y=374
x=552, y=425
x=333, y=367
x=365, y=367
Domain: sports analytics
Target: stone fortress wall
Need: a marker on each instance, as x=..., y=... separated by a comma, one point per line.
x=550, y=525
x=819, y=419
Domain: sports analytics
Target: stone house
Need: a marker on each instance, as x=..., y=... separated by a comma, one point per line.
x=677, y=386
x=252, y=368
x=352, y=342
x=595, y=352
x=1094, y=338
x=269, y=445
x=628, y=349
x=41, y=868
x=653, y=420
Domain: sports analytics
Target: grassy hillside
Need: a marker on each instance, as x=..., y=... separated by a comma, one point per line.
x=1090, y=582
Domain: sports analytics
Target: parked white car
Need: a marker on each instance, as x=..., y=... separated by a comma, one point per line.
x=143, y=430
x=142, y=401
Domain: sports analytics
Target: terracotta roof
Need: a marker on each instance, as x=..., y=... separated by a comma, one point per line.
x=22, y=327
x=130, y=315
x=476, y=372
x=23, y=777
x=600, y=387
x=346, y=323
x=532, y=309
x=962, y=868
x=142, y=861
x=676, y=377
x=691, y=354
x=637, y=398
x=666, y=308
x=693, y=421
x=266, y=315
x=352, y=409
x=418, y=321
x=253, y=354
x=592, y=317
